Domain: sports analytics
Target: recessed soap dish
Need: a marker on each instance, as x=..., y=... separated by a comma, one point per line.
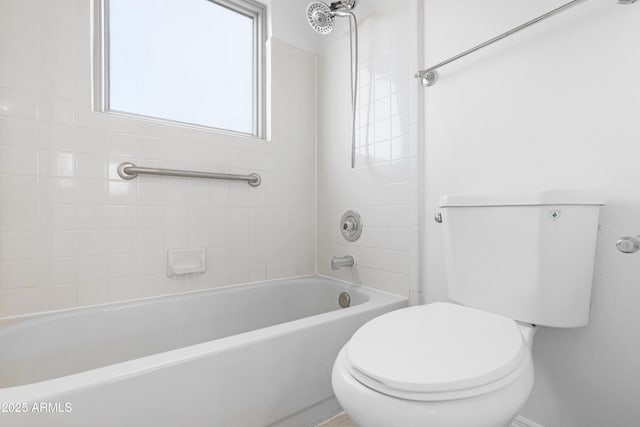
x=184, y=262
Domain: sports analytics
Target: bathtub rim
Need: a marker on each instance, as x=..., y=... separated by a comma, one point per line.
x=7, y=320
x=59, y=386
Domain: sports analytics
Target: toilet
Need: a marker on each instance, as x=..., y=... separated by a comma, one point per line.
x=514, y=262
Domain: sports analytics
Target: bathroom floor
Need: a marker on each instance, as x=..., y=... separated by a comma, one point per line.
x=341, y=420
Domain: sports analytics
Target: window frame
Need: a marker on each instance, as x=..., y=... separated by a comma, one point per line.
x=100, y=62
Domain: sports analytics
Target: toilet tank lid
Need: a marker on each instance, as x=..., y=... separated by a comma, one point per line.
x=524, y=198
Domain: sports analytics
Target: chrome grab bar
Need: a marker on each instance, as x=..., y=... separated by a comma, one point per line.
x=129, y=171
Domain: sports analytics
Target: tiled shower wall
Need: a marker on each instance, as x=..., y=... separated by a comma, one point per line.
x=73, y=233
x=383, y=187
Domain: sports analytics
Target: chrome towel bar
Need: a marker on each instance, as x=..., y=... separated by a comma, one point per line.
x=129, y=171
x=429, y=76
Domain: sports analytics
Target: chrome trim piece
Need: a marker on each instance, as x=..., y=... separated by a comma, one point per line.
x=429, y=76
x=351, y=226
x=129, y=171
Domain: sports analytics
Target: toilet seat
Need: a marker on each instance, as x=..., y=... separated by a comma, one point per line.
x=438, y=351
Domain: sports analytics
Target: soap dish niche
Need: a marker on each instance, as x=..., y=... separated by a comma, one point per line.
x=186, y=262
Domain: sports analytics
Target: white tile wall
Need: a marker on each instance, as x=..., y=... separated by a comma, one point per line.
x=73, y=233
x=383, y=186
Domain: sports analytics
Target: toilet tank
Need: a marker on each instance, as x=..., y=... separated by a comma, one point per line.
x=528, y=256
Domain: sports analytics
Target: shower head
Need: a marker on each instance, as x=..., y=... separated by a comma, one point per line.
x=321, y=15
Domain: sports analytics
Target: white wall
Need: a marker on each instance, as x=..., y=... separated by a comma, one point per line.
x=554, y=107
x=73, y=233
x=383, y=186
x=289, y=24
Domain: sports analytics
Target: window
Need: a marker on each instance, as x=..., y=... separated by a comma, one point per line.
x=197, y=62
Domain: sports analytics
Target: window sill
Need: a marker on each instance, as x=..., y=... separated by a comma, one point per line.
x=184, y=125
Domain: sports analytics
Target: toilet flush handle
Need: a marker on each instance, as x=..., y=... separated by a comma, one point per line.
x=628, y=245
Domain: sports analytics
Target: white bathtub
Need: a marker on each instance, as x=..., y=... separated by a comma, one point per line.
x=252, y=355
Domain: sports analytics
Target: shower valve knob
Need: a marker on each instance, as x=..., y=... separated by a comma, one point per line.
x=351, y=226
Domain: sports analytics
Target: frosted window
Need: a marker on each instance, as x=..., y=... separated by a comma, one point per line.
x=190, y=61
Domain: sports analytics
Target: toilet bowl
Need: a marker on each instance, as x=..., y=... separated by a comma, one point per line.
x=436, y=365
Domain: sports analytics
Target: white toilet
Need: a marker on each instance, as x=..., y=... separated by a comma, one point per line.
x=513, y=261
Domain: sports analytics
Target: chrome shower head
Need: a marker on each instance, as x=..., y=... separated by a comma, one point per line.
x=321, y=16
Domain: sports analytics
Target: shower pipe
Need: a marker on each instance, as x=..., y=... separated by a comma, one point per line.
x=130, y=171
x=429, y=76
x=354, y=83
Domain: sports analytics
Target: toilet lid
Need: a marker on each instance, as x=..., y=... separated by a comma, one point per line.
x=436, y=347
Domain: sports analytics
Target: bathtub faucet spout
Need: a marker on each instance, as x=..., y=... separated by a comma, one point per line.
x=343, y=261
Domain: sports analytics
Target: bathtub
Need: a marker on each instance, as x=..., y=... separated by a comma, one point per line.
x=250, y=355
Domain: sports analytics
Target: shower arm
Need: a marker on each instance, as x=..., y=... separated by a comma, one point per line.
x=342, y=5
x=429, y=76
